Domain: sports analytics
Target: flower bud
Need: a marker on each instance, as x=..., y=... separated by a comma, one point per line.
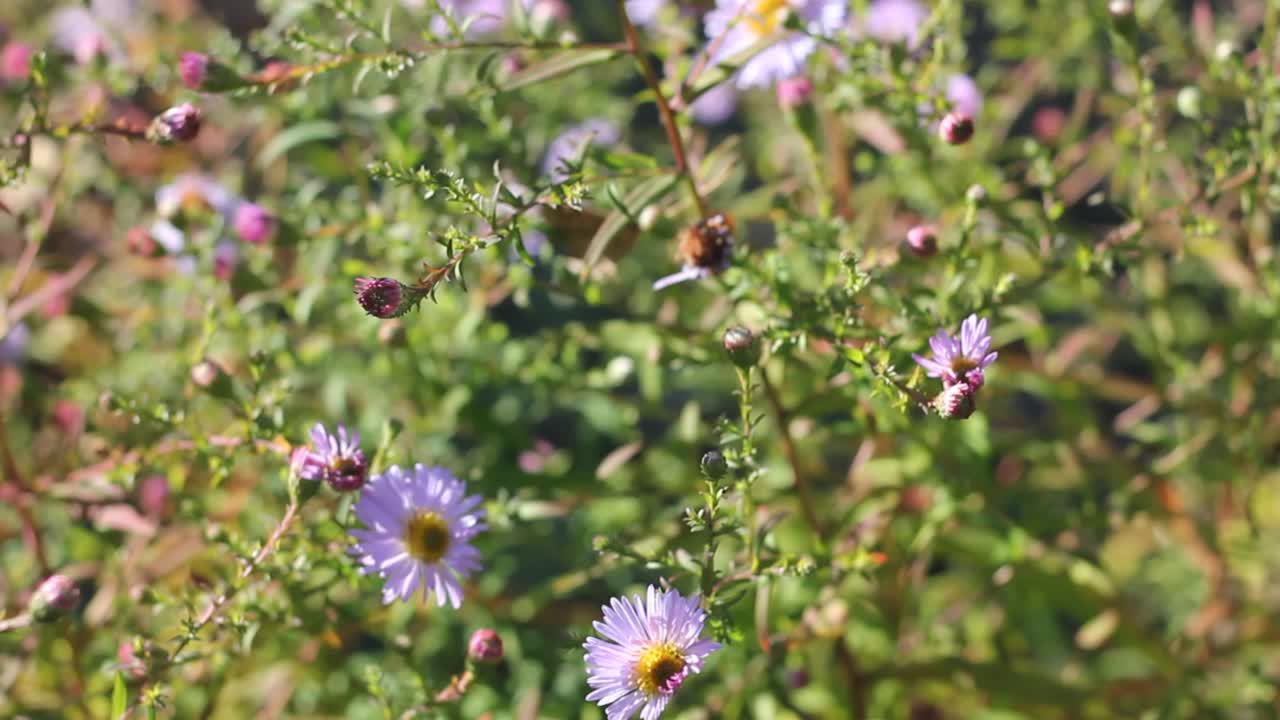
x=976, y=194
x=956, y=128
x=56, y=596
x=153, y=495
x=192, y=68
x=485, y=646
x=956, y=402
x=714, y=465
x=798, y=678
x=914, y=499
x=180, y=124
x=253, y=223
x=1189, y=102
x=226, y=256
x=922, y=241
x=1120, y=8
x=201, y=72
x=205, y=373
x=15, y=62
x=742, y=346
x=794, y=92
x=386, y=297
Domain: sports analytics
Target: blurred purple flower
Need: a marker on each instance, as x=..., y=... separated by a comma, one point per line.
x=86, y=32
x=192, y=68
x=715, y=105
x=15, y=62
x=964, y=95
x=569, y=144
x=253, y=223
x=743, y=23
x=193, y=187
x=647, y=648
x=338, y=461
x=794, y=92
x=13, y=346
x=226, y=256
x=894, y=20
x=420, y=524
x=644, y=12
x=960, y=359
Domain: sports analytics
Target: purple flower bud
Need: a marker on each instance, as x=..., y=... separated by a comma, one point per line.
x=225, y=258
x=922, y=241
x=956, y=402
x=15, y=62
x=180, y=123
x=742, y=346
x=153, y=495
x=55, y=597
x=193, y=67
x=253, y=223
x=485, y=646
x=794, y=92
x=385, y=297
x=956, y=128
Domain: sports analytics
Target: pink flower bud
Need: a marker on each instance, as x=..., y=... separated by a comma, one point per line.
x=485, y=646
x=193, y=67
x=794, y=92
x=922, y=241
x=153, y=495
x=1047, y=124
x=385, y=297
x=956, y=128
x=225, y=258
x=253, y=223
x=956, y=402
x=56, y=596
x=15, y=62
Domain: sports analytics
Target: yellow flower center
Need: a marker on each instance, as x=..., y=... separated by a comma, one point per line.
x=657, y=665
x=962, y=365
x=766, y=16
x=426, y=537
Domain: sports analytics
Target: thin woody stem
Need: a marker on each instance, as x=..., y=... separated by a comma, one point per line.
x=664, y=109
x=781, y=419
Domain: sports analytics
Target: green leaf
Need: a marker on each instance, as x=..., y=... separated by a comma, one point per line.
x=643, y=194
x=297, y=135
x=557, y=66
x=119, y=698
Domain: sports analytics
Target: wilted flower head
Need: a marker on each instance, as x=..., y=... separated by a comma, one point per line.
x=704, y=248
x=15, y=62
x=648, y=646
x=743, y=23
x=253, y=223
x=420, y=524
x=338, y=461
x=894, y=20
x=960, y=359
x=180, y=123
x=569, y=144
x=964, y=95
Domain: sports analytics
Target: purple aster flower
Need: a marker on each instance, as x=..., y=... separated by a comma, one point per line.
x=569, y=144
x=86, y=32
x=960, y=359
x=192, y=187
x=894, y=20
x=253, y=223
x=743, y=23
x=964, y=95
x=715, y=105
x=419, y=529
x=338, y=460
x=648, y=646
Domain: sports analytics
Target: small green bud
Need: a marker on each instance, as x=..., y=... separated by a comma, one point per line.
x=742, y=346
x=1188, y=102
